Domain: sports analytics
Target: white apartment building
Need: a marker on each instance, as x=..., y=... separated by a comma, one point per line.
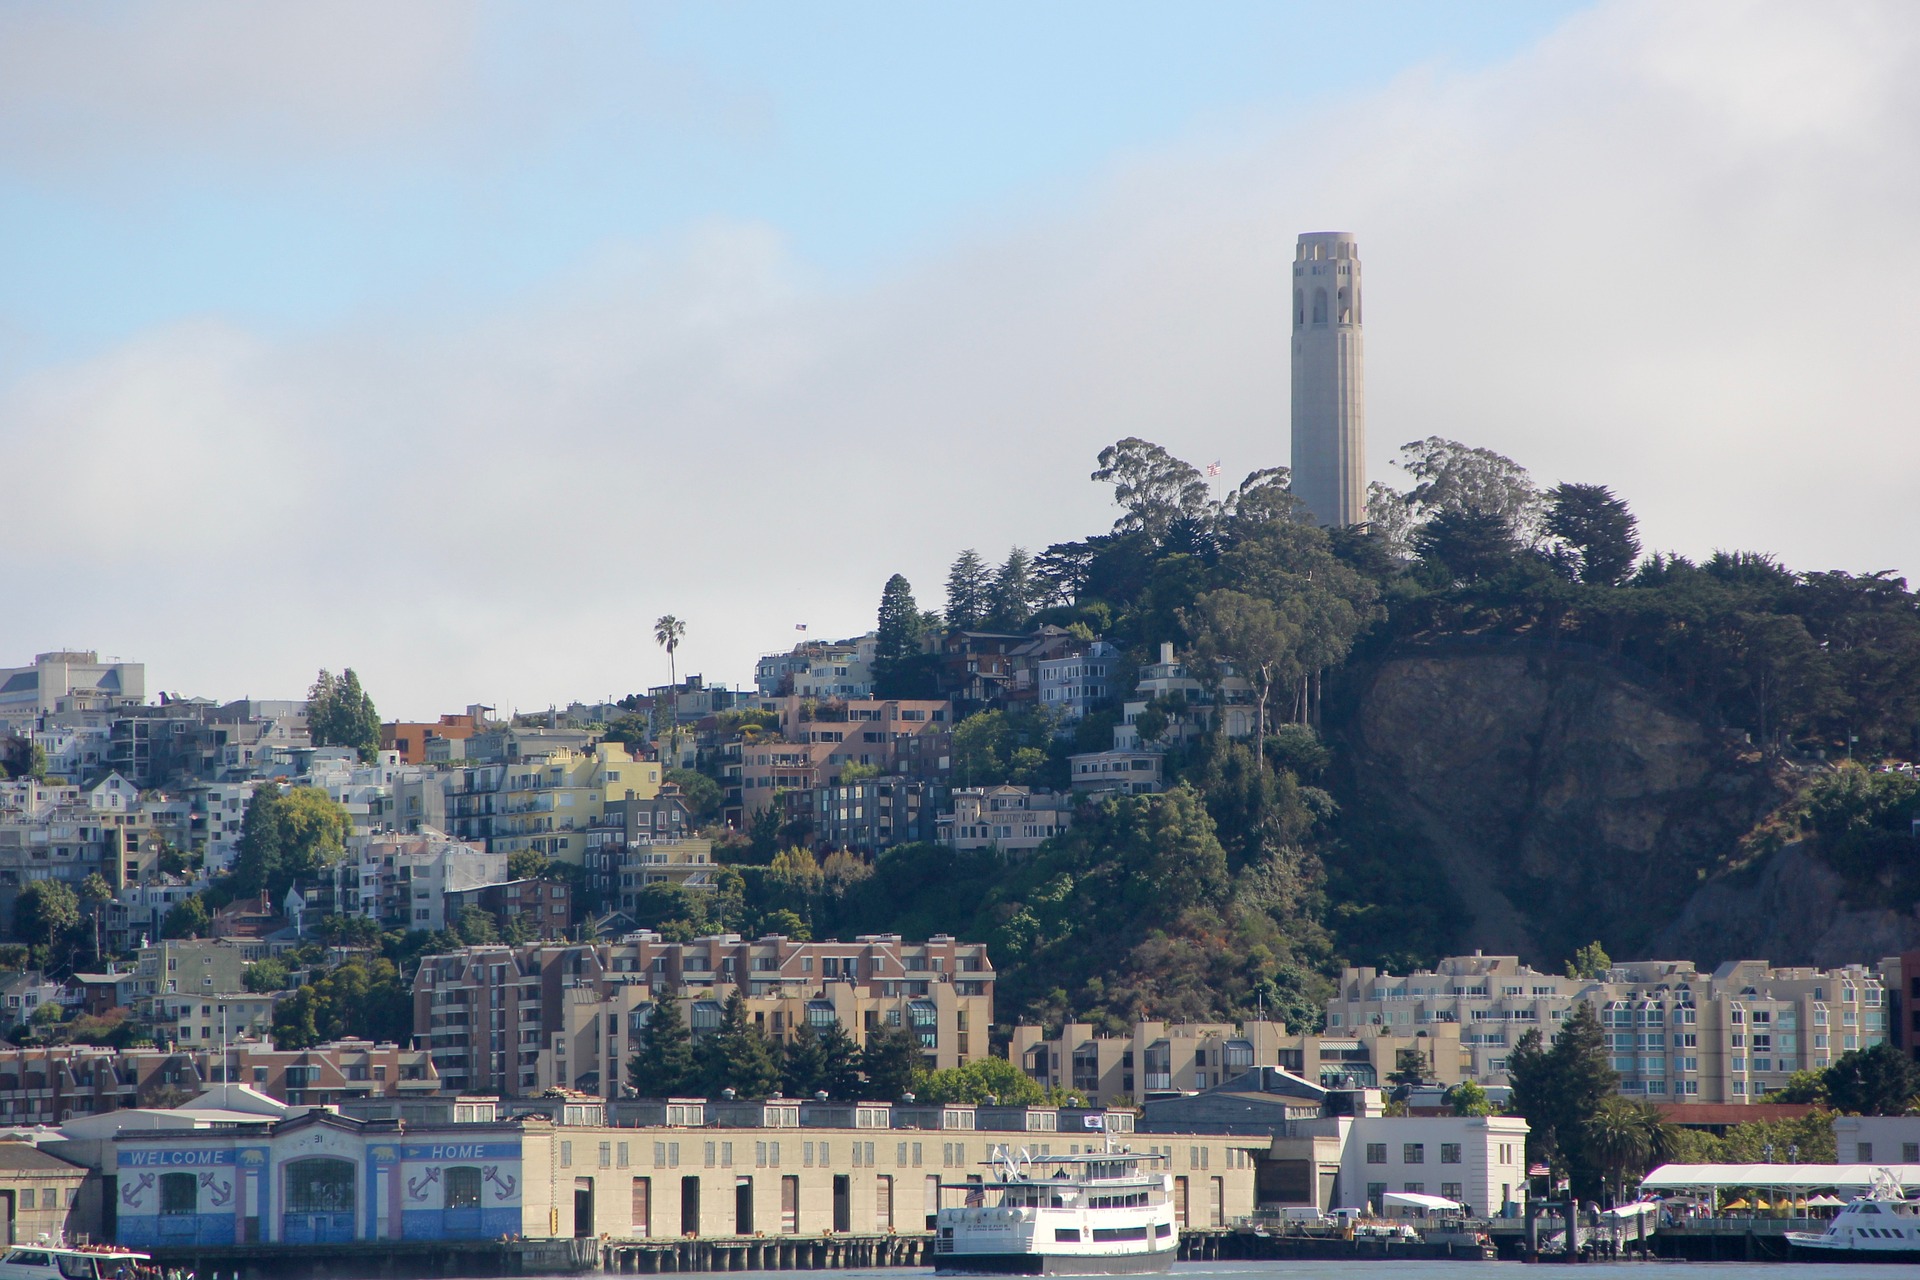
x=1171, y=678
x=1673, y=1033
x=819, y=669
x=394, y=877
x=1011, y=819
x=1126, y=773
x=67, y=675
x=1069, y=686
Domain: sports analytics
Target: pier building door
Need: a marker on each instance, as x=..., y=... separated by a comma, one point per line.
x=883, y=1203
x=1180, y=1202
x=582, y=1208
x=642, y=1207
x=743, y=1206
x=690, y=1205
x=789, y=1205
x=842, y=1202
x=320, y=1201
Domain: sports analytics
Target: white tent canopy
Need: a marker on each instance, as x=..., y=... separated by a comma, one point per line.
x=1789, y=1177
x=1634, y=1210
x=1418, y=1200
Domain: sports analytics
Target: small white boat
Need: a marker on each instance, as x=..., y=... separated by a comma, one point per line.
x=1098, y=1213
x=71, y=1262
x=1880, y=1226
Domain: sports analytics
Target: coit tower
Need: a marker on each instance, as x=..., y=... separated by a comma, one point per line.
x=1329, y=386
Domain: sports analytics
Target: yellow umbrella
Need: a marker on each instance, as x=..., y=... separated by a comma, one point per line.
x=1736, y=1204
x=1758, y=1203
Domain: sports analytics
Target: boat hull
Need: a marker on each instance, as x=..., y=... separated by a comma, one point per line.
x=1054, y=1264
x=1807, y=1251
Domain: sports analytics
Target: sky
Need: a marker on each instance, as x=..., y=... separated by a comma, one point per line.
x=458, y=342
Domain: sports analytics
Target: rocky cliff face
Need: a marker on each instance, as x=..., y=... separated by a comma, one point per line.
x=1564, y=801
x=1790, y=908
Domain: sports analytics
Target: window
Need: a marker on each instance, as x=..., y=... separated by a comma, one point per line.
x=179, y=1193
x=1449, y=1153
x=1414, y=1153
x=1863, y=1153
x=1376, y=1153
x=320, y=1184
x=463, y=1187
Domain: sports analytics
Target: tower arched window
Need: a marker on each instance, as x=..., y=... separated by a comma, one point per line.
x=1299, y=306
x=1319, y=306
x=1346, y=305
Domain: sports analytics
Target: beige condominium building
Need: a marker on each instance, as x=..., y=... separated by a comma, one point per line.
x=523, y=1019
x=1187, y=1057
x=1672, y=1032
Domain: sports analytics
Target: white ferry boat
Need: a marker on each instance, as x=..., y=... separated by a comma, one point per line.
x=1098, y=1213
x=1881, y=1226
x=68, y=1262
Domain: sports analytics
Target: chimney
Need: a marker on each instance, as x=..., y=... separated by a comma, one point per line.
x=1166, y=652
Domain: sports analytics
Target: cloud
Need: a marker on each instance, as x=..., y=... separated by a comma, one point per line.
x=1668, y=249
x=79, y=83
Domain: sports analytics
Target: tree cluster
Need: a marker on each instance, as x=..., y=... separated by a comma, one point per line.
x=739, y=1055
x=341, y=714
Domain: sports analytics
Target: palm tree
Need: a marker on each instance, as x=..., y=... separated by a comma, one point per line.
x=1629, y=1137
x=668, y=632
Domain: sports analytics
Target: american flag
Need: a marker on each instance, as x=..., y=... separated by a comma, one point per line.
x=799, y=626
x=1213, y=468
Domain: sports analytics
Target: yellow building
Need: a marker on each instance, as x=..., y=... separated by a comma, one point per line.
x=552, y=799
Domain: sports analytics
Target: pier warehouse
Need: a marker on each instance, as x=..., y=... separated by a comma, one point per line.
x=237, y=1168
x=691, y=1168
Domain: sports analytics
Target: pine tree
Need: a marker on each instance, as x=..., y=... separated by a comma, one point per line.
x=1010, y=601
x=664, y=1065
x=1559, y=1090
x=900, y=670
x=840, y=1076
x=969, y=591
x=738, y=1055
x=890, y=1062
x=897, y=634
x=803, y=1065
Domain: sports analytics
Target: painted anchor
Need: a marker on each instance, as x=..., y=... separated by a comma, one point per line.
x=221, y=1193
x=504, y=1185
x=131, y=1195
x=417, y=1187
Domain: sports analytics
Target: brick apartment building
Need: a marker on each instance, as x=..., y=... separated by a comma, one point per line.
x=523, y=1019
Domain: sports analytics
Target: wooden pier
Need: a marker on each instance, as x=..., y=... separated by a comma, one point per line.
x=653, y=1256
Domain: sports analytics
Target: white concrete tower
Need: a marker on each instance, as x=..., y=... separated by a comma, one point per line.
x=1329, y=383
